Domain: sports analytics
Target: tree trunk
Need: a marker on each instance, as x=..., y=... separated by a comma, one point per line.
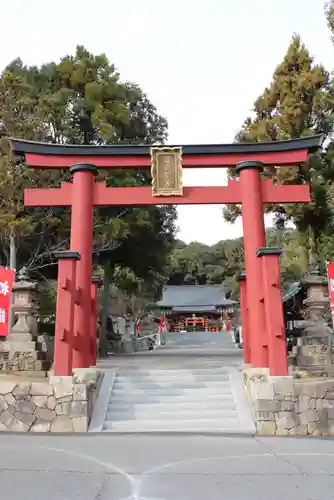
x=312, y=253
x=12, y=249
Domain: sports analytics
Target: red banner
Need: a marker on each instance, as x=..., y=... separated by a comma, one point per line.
x=330, y=275
x=6, y=286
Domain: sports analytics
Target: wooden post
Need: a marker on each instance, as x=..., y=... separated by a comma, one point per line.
x=254, y=238
x=66, y=292
x=82, y=241
x=273, y=306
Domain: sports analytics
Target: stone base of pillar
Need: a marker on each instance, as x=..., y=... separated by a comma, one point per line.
x=26, y=355
x=16, y=360
x=246, y=366
x=313, y=353
x=257, y=372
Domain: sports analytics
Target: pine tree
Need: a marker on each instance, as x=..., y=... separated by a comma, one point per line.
x=18, y=117
x=296, y=104
x=80, y=100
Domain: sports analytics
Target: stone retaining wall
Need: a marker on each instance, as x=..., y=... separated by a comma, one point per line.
x=285, y=406
x=59, y=404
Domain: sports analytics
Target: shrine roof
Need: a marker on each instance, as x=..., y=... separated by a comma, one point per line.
x=191, y=297
x=198, y=309
x=312, y=144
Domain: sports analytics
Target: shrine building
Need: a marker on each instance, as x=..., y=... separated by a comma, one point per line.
x=195, y=308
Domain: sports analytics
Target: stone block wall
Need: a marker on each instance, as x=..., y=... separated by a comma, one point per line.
x=286, y=406
x=59, y=404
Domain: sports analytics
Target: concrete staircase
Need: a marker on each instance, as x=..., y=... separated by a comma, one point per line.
x=174, y=400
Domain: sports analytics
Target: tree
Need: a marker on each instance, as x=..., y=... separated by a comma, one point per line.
x=221, y=263
x=329, y=11
x=19, y=116
x=297, y=103
x=79, y=100
x=200, y=264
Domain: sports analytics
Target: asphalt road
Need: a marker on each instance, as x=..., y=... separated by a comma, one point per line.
x=139, y=467
x=165, y=468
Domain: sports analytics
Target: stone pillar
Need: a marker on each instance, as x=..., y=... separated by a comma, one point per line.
x=254, y=238
x=313, y=352
x=244, y=318
x=21, y=351
x=273, y=306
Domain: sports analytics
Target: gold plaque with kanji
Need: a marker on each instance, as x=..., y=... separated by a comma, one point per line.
x=166, y=170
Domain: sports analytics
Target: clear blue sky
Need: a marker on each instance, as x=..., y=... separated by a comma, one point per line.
x=201, y=62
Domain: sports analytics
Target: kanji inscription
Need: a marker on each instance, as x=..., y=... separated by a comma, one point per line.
x=166, y=170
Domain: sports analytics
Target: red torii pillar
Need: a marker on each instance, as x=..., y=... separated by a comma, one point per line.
x=66, y=298
x=82, y=241
x=273, y=307
x=254, y=238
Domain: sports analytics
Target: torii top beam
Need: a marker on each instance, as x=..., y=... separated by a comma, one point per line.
x=278, y=153
x=42, y=155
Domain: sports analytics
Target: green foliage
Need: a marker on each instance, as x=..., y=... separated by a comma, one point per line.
x=221, y=263
x=80, y=100
x=329, y=11
x=201, y=264
x=19, y=116
x=298, y=102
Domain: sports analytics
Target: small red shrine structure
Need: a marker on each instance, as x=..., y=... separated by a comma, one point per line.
x=261, y=302
x=195, y=307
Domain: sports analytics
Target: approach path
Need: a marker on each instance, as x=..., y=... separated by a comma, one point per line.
x=191, y=384
x=166, y=467
x=113, y=467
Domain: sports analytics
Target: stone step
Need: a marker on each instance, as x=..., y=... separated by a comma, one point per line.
x=168, y=385
x=177, y=405
x=190, y=400
x=185, y=414
x=171, y=391
x=162, y=398
x=224, y=377
x=172, y=371
x=228, y=426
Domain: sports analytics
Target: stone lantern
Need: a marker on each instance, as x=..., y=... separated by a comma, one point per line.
x=20, y=351
x=313, y=352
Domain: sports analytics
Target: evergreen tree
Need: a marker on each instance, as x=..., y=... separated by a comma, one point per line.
x=80, y=100
x=297, y=103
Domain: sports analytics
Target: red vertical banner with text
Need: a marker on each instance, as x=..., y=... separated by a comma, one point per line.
x=330, y=275
x=6, y=286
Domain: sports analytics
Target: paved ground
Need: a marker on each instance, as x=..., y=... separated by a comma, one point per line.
x=165, y=468
x=173, y=467
x=183, y=350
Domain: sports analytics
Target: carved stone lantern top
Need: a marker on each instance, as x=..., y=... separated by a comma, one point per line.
x=24, y=292
x=23, y=282
x=314, y=278
x=23, y=274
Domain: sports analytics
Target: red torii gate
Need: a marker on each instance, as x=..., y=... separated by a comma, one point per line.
x=261, y=302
